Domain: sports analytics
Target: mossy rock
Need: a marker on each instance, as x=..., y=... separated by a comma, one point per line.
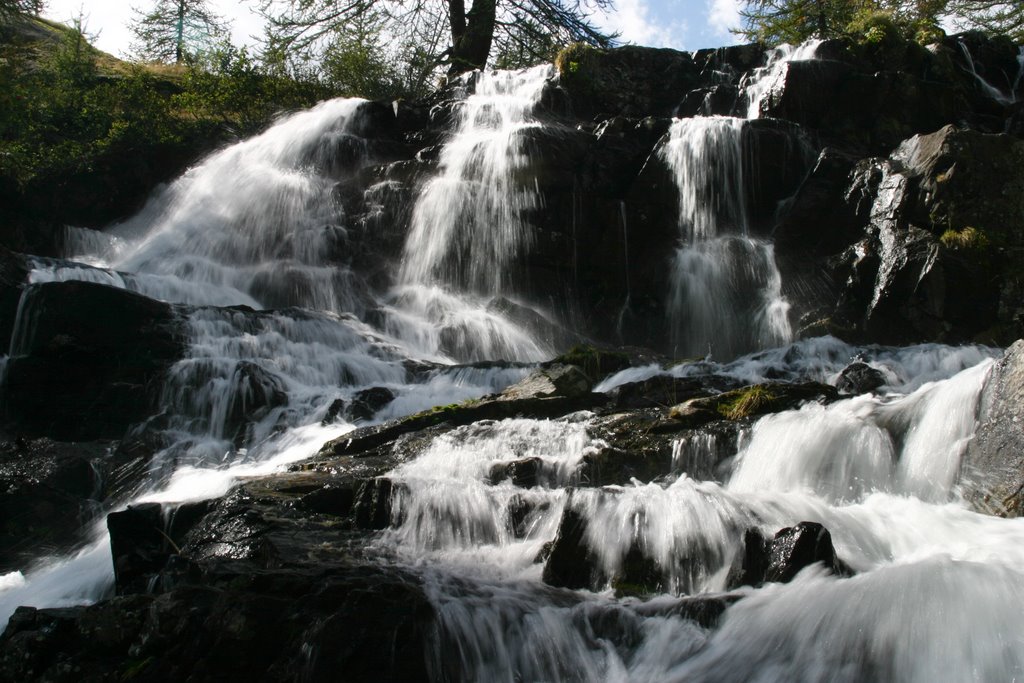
x=594, y=362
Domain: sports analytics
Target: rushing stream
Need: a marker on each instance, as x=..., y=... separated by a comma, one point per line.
x=938, y=590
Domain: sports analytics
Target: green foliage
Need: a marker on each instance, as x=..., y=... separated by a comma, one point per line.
x=62, y=115
x=176, y=30
x=229, y=86
x=873, y=27
x=968, y=239
x=11, y=9
x=875, y=22
x=741, y=403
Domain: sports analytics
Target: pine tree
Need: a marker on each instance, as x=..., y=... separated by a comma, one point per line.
x=175, y=29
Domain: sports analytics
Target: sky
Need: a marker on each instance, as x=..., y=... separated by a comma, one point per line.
x=681, y=24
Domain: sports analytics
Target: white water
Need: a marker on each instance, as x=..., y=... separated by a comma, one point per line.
x=726, y=291
x=989, y=89
x=877, y=471
x=469, y=223
x=773, y=74
x=938, y=594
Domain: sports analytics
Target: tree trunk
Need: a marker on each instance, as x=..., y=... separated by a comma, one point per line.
x=471, y=37
x=179, y=43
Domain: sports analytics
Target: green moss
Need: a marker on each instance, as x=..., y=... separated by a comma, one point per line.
x=741, y=403
x=578, y=67
x=594, y=362
x=967, y=239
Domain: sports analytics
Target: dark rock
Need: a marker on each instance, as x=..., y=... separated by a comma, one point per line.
x=571, y=564
x=525, y=473
x=780, y=559
x=628, y=81
x=993, y=464
x=48, y=492
x=373, y=504
x=13, y=277
x=860, y=378
x=661, y=391
x=254, y=393
x=366, y=403
x=331, y=500
x=334, y=411
x=370, y=623
x=88, y=361
x=139, y=546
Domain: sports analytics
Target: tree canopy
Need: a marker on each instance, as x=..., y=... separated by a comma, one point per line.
x=432, y=33
x=174, y=29
x=13, y=8
x=793, y=21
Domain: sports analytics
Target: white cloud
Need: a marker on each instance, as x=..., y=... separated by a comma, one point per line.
x=632, y=20
x=724, y=15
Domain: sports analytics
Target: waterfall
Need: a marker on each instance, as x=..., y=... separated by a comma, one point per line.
x=256, y=224
x=856, y=466
x=253, y=247
x=469, y=225
x=989, y=89
x=726, y=291
x=772, y=75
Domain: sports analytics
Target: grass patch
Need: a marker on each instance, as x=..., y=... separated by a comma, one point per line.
x=741, y=403
x=968, y=239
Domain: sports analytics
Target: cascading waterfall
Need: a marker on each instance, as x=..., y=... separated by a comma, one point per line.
x=937, y=593
x=470, y=223
x=726, y=295
x=990, y=90
x=258, y=225
x=772, y=75
x=878, y=471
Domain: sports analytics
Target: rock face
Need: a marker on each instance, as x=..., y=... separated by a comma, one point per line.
x=779, y=559
x=87, y=350
x=993, y=464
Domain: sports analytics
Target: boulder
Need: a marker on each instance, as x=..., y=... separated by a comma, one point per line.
x=88, y=360
x=49, y=491
x=859, y=378
x=570, y=562
x=781, y=558
x=367, y=402
x=628, y=81
x=992, y=473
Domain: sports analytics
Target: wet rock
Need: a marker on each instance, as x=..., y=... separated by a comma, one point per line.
x=750, y=401
x=859, y=378
x=254, y=393
x=334, y=411
x=366, y=403
x=779, y=559
x=629, y=80
x=13, y=276
x=525, y=473
x=373, y=504
x=89, y=360
x=370, y=623
x=570, y=563
x=992, y=473
x=566, y=381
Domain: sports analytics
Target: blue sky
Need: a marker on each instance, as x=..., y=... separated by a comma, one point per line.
x=682, y=24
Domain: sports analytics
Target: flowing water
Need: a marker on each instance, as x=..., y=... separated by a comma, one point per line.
x=726, y=295
x=938, y=589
